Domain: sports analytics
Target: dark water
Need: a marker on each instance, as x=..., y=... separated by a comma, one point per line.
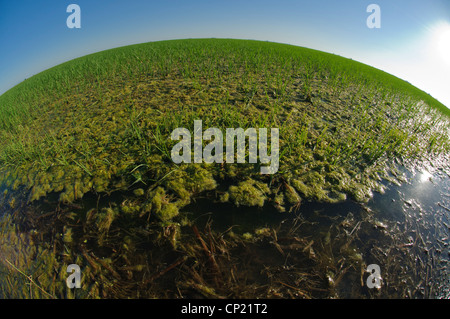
x=406, y=230
x=422, y=207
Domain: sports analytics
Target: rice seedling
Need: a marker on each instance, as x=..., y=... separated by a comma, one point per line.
x=95, y=133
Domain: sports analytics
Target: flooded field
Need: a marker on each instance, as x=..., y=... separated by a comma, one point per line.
x=421, y=210
x=86, y=178
x=404, y=230
x=218, y=250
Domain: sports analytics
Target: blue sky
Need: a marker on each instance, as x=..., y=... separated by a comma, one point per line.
x=412, y=43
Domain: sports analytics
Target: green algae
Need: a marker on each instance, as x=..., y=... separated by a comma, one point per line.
x=138, y=192
x=292, y=196
x=337, y=140
x=161, y=206
x=105, y=218
x=29, y=270
x=249, y=193
x=118, y=128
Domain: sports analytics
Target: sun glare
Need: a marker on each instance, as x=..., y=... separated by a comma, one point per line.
x=443, y=42
x=425, y=176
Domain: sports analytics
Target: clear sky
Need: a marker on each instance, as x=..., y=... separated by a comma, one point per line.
x=413, y=42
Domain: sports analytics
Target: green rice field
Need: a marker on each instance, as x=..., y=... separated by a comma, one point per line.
x=86, y=175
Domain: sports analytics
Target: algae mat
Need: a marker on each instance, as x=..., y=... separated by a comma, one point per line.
x=87, y=177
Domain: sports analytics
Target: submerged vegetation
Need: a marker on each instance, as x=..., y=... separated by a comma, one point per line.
x=86, y=175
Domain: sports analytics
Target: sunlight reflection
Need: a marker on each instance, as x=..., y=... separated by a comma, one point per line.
x=425, y=176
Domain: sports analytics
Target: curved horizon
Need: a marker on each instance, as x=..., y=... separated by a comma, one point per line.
x=118, y=47
x=411, y=44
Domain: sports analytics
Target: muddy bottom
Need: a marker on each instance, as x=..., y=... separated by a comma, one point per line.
x=218, y=250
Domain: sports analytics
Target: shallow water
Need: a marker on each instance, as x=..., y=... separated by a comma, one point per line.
x=316, y=250
x=405, y=229
x=422, y=206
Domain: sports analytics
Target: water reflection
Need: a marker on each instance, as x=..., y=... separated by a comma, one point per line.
x=425, y=177
x=318, y=250
x=404, y=230
x=421, y=209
